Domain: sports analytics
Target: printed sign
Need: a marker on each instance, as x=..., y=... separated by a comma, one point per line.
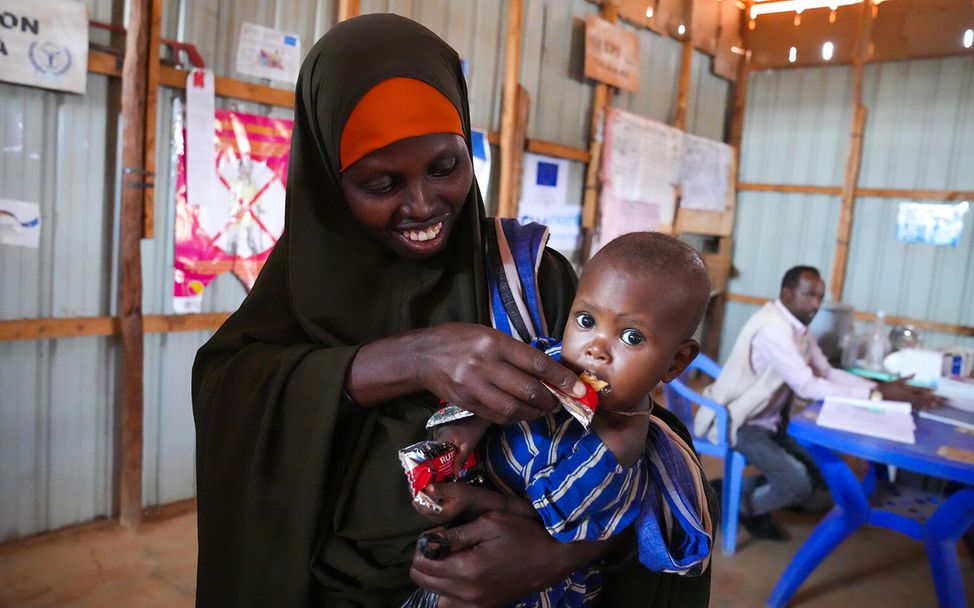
x=20, y=223
x=933, y=224
x=481, y=159
x=544, y=199
x=268, y=53
x=235, y=230
x=611, y=54
x=44, y=44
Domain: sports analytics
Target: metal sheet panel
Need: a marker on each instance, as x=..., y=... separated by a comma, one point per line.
x=774, y=232
x=659, y=72
x=920, y=124
x=707, y=103
x=57, y=397
x=796, y=126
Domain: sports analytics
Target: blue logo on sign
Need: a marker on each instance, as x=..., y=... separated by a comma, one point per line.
x=291, y=40
x=49, y=58
x=547, y=174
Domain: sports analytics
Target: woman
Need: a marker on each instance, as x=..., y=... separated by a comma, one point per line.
x=372, y=302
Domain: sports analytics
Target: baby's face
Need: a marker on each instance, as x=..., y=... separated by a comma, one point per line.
x=620, y=331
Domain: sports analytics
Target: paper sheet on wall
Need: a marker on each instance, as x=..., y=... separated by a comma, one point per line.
x=932, y=224
x=481, y=159
x=268, y=53
x=622, y=217
x=44, y=44
x=705, y=174
x=236, y=229
x=20, y=223
x=641, y=161
x=544, y=199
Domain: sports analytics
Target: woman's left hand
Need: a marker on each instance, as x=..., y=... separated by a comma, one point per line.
x=498, y=557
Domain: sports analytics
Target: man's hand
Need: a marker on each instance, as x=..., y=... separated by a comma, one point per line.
x=499, y=557
x=900, y=390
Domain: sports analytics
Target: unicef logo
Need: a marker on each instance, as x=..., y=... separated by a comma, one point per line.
x=49, y=58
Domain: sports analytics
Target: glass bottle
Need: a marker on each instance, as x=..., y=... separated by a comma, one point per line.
x=877, y=346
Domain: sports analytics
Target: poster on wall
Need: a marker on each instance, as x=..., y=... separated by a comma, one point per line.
x=544, y=199
x=268, y=53
x=236, y=229
x=705, y=174
x=641, y=161
x=481, y=159
x=931, y=224
x=44, y=44
x=20, y=223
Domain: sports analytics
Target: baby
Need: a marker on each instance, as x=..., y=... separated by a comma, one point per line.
x=638, y=303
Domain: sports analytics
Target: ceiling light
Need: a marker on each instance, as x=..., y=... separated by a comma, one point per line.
x=792, y=55
x=827, y=50
x=968, y=38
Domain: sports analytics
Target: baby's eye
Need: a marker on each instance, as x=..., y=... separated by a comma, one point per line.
x=585, y=320
x=632, y=337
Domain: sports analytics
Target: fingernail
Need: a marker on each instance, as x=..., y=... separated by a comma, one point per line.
x=433, y=546
x=579, y=389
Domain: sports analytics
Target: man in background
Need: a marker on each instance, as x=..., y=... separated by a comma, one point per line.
x=775, y=359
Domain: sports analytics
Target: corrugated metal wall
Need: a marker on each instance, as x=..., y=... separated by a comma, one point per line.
x=59, y=150
x=57, y=398
x=920, y=121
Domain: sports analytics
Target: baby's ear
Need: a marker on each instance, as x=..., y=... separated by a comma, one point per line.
x=685, y=353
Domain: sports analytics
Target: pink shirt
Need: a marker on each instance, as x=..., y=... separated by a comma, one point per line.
x=778, y=347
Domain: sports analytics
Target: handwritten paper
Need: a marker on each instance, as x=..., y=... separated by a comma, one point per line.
x=705, y=174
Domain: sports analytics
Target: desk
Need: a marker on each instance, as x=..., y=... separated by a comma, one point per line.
x=936, y=522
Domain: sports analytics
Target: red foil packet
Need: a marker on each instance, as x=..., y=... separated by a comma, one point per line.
x=429, y=462
x=581, y=409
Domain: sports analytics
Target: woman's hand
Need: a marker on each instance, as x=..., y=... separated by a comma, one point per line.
x=498, y=557
x=459, y=498
x=489, y=373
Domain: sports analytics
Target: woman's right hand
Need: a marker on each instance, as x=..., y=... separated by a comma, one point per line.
x=489, y=373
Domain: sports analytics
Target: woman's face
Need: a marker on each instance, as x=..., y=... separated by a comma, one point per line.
x=409, y=194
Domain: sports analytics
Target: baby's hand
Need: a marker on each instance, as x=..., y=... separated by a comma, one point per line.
x=465, y=434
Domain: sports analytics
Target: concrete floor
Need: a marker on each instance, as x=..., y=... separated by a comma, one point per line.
x=108, y=566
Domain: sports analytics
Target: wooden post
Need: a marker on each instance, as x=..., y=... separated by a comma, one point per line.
x=714, y=320
x=506, y=203
x=134, y=95
x=348, y=9
x=683, y=86
x=853, y=157
x=600, y=102
x=151, y=109
x=520, y=144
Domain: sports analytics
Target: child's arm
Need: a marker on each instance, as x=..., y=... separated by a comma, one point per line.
x=625, y=436
x=460, y=498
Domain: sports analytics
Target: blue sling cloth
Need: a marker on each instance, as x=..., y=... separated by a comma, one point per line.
x=673, y=529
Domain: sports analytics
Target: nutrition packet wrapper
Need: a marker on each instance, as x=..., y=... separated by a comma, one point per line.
x=582, y=409
x=429, y=462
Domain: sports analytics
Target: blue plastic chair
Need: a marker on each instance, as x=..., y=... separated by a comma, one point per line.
x=680, y=399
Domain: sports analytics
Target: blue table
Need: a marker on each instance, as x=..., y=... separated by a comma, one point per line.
x=939, y=523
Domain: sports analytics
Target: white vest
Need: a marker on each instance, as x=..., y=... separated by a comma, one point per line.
x=744, y=392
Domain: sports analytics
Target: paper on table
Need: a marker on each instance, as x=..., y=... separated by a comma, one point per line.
x=884, y=419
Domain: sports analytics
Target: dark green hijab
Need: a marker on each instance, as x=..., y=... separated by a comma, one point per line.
x=298, y=504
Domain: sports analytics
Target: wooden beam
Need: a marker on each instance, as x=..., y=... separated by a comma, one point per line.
x=134, y=95
x=948, y=328
x=151, y=106
x=348, y=9
x=231, y=88
x=538, y=146
x=520, y=144
x=789, y=188
x=506, y=204
x=78, y=327
x=683, y=84
x=853, y=156
x=106, y=64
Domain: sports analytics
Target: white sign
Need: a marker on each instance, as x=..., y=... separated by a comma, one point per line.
x=705, y=174
x=929, y=223
x=642, y=161
x=20, y=223
x=268, y=53
x=544, y=199
x=481, y=159
x=200, y=138
x=44, y=44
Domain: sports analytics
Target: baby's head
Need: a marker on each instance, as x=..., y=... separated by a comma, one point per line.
x=638, y=304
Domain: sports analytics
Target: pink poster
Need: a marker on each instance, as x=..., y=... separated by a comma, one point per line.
x=235, y=229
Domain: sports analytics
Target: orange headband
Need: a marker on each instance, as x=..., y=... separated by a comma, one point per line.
x=396, y=109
